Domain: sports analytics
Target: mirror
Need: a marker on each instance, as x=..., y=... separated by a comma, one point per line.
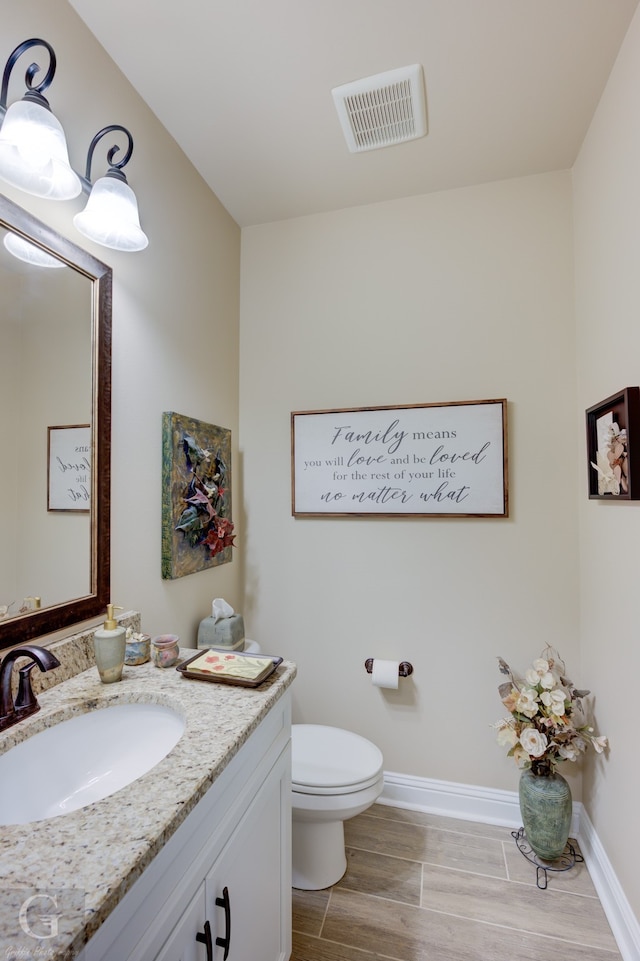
x=55, y=432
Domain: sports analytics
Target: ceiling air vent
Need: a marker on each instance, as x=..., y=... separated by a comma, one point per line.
x=383, y=110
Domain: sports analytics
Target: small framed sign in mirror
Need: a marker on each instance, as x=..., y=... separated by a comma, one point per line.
x=69, y=468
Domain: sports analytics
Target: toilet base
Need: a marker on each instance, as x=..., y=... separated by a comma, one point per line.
x=319, y=859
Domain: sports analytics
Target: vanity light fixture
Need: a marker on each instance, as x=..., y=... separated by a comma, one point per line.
x=34, y=158
x=33, y=148
x=111, y=216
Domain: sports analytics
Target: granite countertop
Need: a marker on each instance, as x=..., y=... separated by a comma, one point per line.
x=103, y=848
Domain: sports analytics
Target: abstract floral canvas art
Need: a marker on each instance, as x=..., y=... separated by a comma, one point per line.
x=197, y=529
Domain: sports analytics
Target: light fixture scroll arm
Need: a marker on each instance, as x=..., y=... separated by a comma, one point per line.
x=115, y=167
x=35, y=92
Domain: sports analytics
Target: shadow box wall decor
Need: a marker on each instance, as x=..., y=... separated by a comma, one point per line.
x=197, y=529
x=613, y=447
x=421, y=460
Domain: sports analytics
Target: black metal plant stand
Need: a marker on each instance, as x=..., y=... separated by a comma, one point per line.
x=567, y=860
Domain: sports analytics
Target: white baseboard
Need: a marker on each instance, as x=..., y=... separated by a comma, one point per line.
x=624, y=924
x=468, y=802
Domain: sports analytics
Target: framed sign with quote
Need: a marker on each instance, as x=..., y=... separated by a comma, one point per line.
x=422, y=460
x=69, y=468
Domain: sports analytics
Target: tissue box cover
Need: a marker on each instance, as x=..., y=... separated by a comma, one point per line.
x=226, y=632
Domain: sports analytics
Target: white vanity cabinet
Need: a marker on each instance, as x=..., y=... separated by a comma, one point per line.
x=242, y=890
x=183, y=943
x=228, y=865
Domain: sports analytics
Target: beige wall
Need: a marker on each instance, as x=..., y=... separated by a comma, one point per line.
x=607, y=241
x=463, y=295
x=175, y=309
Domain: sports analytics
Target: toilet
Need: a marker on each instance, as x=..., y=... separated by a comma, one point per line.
x=336, y=774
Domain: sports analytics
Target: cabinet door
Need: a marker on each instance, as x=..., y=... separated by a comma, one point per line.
x=248, y=890
x=182, y=943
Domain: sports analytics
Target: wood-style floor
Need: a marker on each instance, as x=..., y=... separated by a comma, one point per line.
x=425, y=888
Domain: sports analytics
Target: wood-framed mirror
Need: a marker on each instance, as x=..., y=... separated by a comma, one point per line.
x=55, y=432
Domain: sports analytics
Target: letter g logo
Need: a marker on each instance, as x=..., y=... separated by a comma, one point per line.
x=48, y=922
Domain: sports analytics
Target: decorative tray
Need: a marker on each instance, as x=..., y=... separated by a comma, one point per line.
x=229, y=667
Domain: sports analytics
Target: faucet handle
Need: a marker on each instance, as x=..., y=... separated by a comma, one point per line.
x=25, y=701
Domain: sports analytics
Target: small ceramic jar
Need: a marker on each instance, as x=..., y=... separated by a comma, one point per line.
x=138, y=648
x=164, y=650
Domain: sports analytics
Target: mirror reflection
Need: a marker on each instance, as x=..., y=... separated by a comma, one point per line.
x=54, y=429
x=45, y=381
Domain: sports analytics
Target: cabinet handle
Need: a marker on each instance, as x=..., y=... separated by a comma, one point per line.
x=225, y=903
x=206, y=939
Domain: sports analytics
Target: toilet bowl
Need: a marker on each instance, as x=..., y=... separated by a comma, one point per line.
x=336, y=774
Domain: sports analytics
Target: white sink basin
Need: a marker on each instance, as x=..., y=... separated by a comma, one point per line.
x=84, y=759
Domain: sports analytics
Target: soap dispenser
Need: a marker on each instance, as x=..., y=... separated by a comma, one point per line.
x=109, y=644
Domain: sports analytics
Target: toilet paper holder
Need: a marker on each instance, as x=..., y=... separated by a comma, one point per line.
x=404, y=667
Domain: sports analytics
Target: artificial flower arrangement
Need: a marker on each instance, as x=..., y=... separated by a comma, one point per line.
x=203, y=520
x=547, y=723
x=612, y=459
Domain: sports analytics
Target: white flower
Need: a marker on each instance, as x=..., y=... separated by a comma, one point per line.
x=527, y=702
x=520, y=756
x=540, y=666
x=569, y=751
x=534, y=742
x=554, y=700
x=506, y=736
x=599, y=743
x=540, y=674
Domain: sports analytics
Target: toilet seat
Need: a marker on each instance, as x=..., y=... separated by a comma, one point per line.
x=331, y=761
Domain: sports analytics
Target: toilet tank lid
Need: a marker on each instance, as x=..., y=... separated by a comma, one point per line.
x=325, y=756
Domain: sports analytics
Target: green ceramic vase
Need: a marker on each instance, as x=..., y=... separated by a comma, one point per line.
x=546, y=808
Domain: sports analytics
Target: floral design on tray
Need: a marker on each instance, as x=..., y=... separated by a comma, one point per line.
x=233, y=665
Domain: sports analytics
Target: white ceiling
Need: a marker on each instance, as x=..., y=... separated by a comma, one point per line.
x=244, y=86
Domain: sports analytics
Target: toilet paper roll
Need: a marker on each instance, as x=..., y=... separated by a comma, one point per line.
x=385, y=673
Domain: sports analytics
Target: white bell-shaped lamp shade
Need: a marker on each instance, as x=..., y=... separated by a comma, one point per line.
x=33, y=153
x=111, y=216
x=28, y=252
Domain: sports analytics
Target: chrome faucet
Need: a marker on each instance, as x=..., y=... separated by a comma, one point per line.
x=26, y=702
